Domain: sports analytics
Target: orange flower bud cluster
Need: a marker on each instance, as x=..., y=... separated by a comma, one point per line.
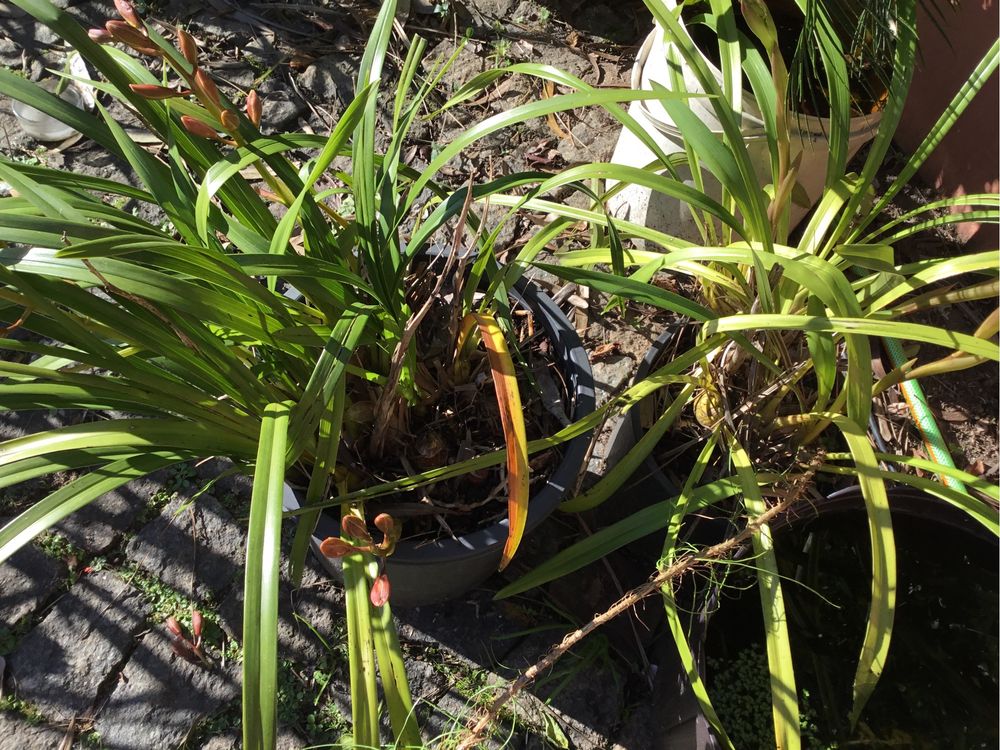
x=131, y=32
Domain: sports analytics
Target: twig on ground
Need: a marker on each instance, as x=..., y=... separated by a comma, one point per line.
x=681, y=566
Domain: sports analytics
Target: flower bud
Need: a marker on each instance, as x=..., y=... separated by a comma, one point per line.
x=174, y=627
x=126, y=34
x=355, y=528
x=149, y=91
x=197, y=621
x=230, y=120
x=206, y=87
x=127, y=11
x=188, y=46
x=100, y=36
x=385, y=523
x=380, y=591
x=197, y=127
x=334, y=546
x=253, y=108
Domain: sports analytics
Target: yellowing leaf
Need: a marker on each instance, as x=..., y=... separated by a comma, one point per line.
x=512, y=419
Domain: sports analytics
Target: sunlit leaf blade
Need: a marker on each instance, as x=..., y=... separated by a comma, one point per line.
x=394, y=681
x=360, y=645
x=260, y=597
x=77, y=493
x=617, y=535
x=784, y=697
x=878, y=631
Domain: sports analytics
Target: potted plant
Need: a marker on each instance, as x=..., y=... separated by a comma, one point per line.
x=299, y=347
x=775, y=381
x=825, y=44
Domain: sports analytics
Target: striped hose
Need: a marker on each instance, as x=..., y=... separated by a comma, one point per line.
x=937, y=450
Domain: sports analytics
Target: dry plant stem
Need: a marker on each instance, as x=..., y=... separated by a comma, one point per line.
x=387, y=401
x=681, y=566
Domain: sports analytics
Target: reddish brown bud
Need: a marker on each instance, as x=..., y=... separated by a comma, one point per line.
x=127, y=11
x=355, y=528
x=385, y=523
x=205, y=86
x=174, y=627
x=196, y=624
x=197, y=127
x=100, y=36
x=230, y=120
x=188, y=46
x=334, y=546
x=149, y=91
x=380, y=590
x=253, y=108
x=126, y=34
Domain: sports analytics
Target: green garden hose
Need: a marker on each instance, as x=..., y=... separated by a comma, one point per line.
x=937, y=450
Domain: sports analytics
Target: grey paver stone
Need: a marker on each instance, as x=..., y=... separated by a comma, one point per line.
x=60, y=665
x=160, y=696
x=18, y=734
x=26, y=580
x=305, y=615
x=610, y=375
x=97, y=525
x=196, y=548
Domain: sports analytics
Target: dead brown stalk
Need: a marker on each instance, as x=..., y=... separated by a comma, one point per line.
x=682, y=565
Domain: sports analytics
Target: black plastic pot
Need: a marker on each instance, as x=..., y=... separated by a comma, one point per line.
x=431, y=572
x=680, y=722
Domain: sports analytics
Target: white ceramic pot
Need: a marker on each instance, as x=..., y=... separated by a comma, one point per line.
x=809, y=136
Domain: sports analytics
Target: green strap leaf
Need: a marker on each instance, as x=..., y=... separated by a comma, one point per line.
x=260, y=593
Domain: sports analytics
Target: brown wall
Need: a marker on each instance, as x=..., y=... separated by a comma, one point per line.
x=968, y=159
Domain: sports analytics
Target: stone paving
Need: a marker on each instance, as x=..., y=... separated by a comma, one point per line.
x=88, y=661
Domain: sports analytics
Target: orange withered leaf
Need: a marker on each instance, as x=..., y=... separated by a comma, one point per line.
x=512, y=421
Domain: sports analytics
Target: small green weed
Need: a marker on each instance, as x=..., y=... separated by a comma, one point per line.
x=22, y=708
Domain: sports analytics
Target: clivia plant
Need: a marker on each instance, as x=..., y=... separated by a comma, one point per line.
x=776, y=378
x=295, y=347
